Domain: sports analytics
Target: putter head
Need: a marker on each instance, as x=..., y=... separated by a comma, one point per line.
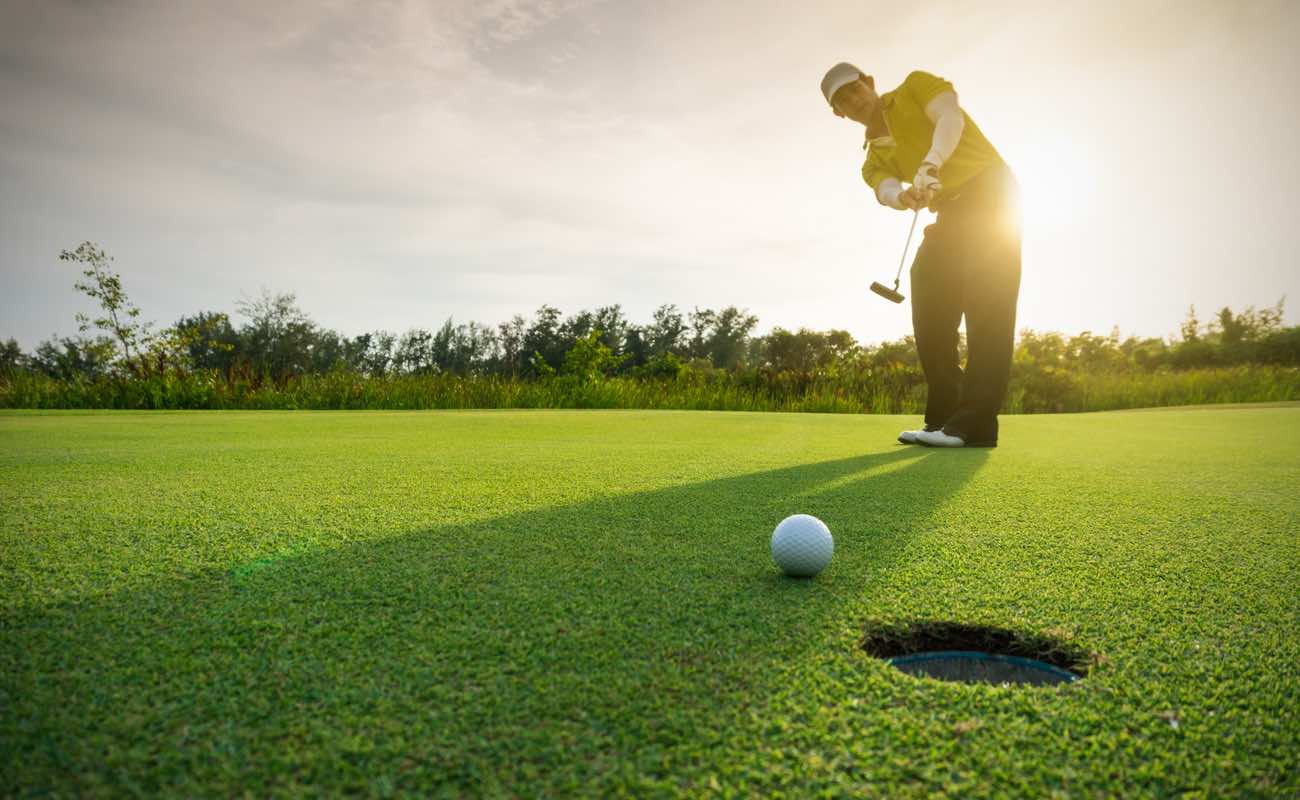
x=886, y=292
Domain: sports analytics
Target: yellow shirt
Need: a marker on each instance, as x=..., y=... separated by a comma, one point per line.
x=912, y=131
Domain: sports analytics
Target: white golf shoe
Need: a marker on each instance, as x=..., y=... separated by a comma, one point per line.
x=939, y=439
x=913, y=437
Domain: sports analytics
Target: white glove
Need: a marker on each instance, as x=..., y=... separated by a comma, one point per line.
x=926, y=183
x=889, y=194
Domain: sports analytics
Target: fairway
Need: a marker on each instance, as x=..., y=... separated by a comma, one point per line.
x=583, y=602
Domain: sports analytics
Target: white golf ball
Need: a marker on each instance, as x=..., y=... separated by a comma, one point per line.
x=802, y=546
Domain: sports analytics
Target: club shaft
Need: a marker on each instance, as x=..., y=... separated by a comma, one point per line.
x=916, y=213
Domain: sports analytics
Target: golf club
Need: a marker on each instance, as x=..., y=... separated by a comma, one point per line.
x=892, y=295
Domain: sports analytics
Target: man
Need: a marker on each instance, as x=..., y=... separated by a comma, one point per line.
x=969, y=260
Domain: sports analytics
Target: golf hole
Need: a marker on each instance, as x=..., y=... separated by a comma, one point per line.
x=952, y=651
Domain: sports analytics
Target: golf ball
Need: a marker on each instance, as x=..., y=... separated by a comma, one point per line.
x=802, y=546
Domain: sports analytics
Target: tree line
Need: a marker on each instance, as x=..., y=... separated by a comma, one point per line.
x=274, y=339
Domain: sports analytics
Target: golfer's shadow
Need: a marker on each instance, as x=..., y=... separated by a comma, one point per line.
x=580, y=619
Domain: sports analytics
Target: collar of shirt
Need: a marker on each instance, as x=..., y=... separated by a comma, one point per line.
x=887, y=99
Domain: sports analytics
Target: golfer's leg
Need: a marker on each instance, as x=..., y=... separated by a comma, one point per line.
x=992, y=290
x=936, y=313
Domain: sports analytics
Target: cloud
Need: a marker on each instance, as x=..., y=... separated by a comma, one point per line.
x=626, y=151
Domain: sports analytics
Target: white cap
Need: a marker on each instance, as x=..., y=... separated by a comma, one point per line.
x=839, y=75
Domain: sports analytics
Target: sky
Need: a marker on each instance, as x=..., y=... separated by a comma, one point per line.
x=398, y=163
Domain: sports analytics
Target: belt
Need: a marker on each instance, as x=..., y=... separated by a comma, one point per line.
x=976, y=187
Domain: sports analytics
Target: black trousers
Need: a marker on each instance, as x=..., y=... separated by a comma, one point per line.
x=969, y=264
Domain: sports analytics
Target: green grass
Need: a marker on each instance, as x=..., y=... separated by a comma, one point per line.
x=559, y=602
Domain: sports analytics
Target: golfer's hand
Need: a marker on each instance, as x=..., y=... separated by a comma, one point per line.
x=912, y=199
x=927, y=180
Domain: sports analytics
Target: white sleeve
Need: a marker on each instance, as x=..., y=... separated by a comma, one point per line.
x=948, y=121
x=888, y=191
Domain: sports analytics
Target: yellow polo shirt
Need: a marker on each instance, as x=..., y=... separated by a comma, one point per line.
x=904, y=110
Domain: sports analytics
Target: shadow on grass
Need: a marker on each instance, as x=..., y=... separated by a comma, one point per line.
x=594, y=645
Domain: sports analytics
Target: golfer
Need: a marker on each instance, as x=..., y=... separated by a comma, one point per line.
x=969, y=259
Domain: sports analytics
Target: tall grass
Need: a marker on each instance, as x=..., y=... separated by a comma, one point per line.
x=888, y=391
x=1105, y=391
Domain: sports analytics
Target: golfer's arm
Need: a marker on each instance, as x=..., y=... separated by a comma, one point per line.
x=948, y=121
x=887, y=193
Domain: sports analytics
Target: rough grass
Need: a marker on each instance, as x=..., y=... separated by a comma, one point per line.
x=554, y=603
x=898, y=390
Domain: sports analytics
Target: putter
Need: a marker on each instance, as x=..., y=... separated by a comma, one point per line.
x=892, y=295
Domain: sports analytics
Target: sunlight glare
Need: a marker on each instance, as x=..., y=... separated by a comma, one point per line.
x=1058, y=181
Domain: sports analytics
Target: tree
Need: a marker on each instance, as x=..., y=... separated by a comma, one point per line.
x=69, y=359
x=480, y=347
x=1191, y=327
x=635, y=347
x=576, y=327
x=208, y=339
x=613, y=327
x=893, y=355
x=329, y=350
x=279, y=337
x=1090, y=352
x=464, y=349
x=805, y=351
x=1041, y=349
x=12, y=357
x=443, y=346
x=511, y=336
x=702, y=322
x=369, y=353
x=539, y=368
x=667, y=333
x=1147, y=354
x=102, y=284
x=414, y=353
x=841, y=344
x=1247, y=326
x=781, y=351
x=1193, y=350
x=590, y=359
x=543, y=339
x=663, y=365
x=1281, y=347
x=721, y=336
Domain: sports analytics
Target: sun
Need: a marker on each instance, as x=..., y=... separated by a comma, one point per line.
x=1058, y=180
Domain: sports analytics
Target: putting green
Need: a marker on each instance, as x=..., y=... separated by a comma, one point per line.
x=564, y=602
